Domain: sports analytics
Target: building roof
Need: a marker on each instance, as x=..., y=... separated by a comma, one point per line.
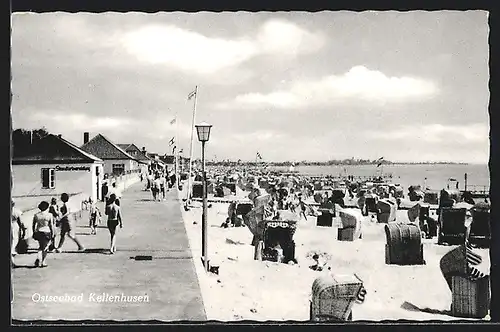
x=132, y=147
x=54, y=149
x=168, y=159
x=104, y=148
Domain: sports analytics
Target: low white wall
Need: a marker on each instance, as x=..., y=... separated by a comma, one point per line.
x=124, y=181
x=74, y=203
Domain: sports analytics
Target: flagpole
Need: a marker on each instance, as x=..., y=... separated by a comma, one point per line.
x=191, y=144
x=176, y=154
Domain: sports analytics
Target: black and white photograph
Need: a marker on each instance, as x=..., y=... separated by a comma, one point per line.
x=286, y=166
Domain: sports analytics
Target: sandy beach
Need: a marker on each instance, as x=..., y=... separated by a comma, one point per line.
x=246, y=289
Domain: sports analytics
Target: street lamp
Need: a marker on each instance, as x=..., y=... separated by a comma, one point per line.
x=203, y=130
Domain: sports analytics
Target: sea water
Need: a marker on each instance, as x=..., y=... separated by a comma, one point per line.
x=434, y=176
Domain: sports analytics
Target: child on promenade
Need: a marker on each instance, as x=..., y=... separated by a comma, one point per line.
x=67, y=224
x=54, y=210
x=94, y=217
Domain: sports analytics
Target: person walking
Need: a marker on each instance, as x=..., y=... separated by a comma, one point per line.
x=43, y=230
x=18, y=230
x=163, y=185
x=105, y=190
x=54, y=210
x=67, y=224
x=302, y=205
x=94, y=217
x=149, y=179
x=155, y=188
x=113, y=212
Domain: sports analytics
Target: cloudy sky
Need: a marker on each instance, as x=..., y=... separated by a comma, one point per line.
x=407, y=86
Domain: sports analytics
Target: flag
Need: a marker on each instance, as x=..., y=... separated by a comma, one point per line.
x=173, y=149
x=172, y=141
x=259, y=156
x=173, y=121
x=379, y=160
x=192, y=94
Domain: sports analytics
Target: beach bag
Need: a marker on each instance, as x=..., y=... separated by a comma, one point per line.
x=22, y=246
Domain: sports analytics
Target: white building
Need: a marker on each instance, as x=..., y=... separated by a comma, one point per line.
x=53, y=166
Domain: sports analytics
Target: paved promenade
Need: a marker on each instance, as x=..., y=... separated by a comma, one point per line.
x=168, y=283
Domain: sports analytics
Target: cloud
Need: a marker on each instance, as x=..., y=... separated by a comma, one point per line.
x=154, y=127
x=279, y=36
x=277, y=99
x=435, y=133
x=79, y=121
x=194, y=52
x=186, y=50
x=358, y=83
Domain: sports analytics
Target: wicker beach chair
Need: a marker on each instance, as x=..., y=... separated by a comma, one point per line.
x=242, y=208
x=276, y=233
x=431, y=197
x=452, y=225
x=219, y=192
x=404, y=244
x=333, y=297
x=318, y=185
x=197, y=190
x=469, y=286
x=350, y=229
x=398, y=192
x=371, y=203
x=386, y=211
x=480, y=231
x=338, y=197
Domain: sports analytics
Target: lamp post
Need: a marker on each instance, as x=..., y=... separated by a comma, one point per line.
x=203, y=130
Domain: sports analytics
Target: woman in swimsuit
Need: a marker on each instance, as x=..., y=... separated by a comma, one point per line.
x=113, y=212
x=43, y=229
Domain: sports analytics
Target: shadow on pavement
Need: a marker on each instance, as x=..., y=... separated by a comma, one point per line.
x=411, y=307
x=90, y=251
x=24, y=267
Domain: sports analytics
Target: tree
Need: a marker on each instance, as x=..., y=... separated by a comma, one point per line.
x=23, y=140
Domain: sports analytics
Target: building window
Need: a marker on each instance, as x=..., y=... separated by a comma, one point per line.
x=118, y=169
x=48, y=178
